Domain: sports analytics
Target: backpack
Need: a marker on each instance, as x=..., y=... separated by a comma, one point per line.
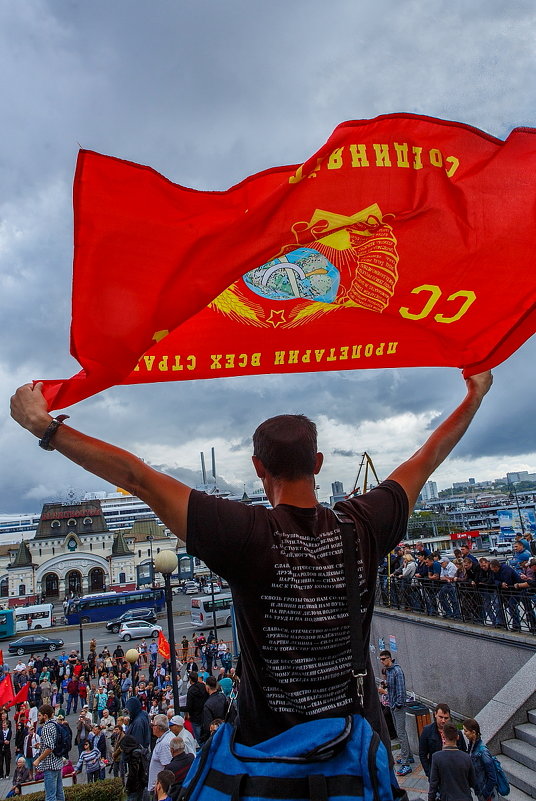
x=63, y=741
x=503, y=787
x=322, y=759
x=141, y=755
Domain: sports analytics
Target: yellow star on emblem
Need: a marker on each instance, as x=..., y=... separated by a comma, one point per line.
x=276, y=318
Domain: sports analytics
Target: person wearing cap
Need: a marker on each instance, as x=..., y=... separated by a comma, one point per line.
x=447, y=594
x=107, y=723
x=176, y=725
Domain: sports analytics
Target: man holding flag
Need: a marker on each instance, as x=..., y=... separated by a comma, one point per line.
x=286, y=460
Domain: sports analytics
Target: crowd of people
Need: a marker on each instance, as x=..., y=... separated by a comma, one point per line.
x=126, y=724
x=483, y=590
x=454, y=761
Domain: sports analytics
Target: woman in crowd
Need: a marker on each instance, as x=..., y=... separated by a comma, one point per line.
x=91, y=758
x=21, y=731
x=5, y=746
x=21, y=775
x=482, y=760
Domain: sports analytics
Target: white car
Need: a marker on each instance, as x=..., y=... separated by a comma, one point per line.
x=136, y=629
x=214, y=588
x=501, y=547
x=191, y=587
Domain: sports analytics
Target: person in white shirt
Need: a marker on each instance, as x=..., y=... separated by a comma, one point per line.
x=176, y=724
x=161, y=755
x=447, y=595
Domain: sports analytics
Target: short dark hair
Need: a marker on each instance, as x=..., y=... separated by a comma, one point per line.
x=450, y=732
x=441, y=707
x=286, y=445
x=47, y=710
x=386, y=653
x=212, y=682
x=194, y=677
x=166, y=779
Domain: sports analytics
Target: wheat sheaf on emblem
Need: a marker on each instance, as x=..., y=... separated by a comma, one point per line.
x=336, y=261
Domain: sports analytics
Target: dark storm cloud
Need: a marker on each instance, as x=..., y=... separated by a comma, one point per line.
x=342, y=452
x=207, y=93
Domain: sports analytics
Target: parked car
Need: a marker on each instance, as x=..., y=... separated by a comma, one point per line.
x=501, y=547
x=191, y=587
x=34, y=643
x=133, y=614
x=449, y=553
x=136, y=629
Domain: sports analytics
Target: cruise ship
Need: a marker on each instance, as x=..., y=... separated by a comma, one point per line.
x=120, y=509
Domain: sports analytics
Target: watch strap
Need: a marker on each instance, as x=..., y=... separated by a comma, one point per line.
x=45, y=440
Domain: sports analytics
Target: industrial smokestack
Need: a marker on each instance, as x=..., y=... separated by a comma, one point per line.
x=213, y=463
x=203, y=471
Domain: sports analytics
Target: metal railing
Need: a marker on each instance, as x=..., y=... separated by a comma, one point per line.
x=511, y=609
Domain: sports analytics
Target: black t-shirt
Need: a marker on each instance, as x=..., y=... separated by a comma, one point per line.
x=284, y=567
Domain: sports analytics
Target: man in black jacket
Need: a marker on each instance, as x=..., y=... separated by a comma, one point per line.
x=195, y=701
x=179, y=765
x=215, y=706
x=431, y=739
x=452, y=774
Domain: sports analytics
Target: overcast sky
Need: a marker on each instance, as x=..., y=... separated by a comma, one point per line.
x=208, y=92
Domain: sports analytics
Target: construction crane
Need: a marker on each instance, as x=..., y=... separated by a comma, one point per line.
x=366, y=465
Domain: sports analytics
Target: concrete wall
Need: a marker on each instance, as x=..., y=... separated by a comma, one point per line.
x=463, y=665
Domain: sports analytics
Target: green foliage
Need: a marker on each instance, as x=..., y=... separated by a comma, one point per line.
x=106, y=790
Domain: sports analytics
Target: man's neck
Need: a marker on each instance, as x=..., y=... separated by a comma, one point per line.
x=300, y=493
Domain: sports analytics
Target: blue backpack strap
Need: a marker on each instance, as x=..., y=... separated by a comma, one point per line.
x=350, y=541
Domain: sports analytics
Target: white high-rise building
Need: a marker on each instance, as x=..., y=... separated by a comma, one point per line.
x=429, y=491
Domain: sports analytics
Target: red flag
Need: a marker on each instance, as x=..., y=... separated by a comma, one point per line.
x=7, y=694
x=403, y=241
x=163, y=645
x=1, y=657
x=21, y=696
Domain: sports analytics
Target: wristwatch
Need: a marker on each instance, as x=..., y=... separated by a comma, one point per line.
x=44, y=442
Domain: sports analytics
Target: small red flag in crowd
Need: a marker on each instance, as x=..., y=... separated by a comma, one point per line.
x=403, y=241
x=1, y=657
x=7, y=695
x=163, y=645
x=21, y=696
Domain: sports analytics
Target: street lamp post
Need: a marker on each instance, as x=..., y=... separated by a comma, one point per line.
x=213, y=606
x=150, y=539
x=81, y=638
x=166, y=562
x=132, y=656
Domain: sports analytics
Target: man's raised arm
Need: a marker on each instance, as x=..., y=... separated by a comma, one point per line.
x=165, y=495
x=413, y=474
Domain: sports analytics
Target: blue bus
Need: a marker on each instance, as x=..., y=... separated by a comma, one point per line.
x=7, y=623
x=107, y=605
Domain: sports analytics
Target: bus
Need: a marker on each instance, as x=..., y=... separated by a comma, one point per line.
x=105, y=606
x=7, y=623
x=202, y=609
x=40, y=616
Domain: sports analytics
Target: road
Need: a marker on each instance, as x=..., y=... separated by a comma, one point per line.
x=71, y=634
